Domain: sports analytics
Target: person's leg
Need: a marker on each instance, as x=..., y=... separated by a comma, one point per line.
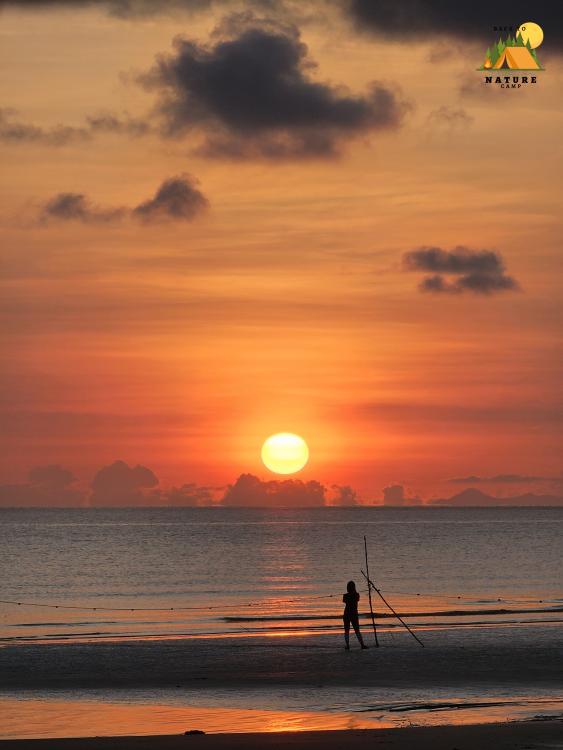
x=356, y=624
x=347, y=633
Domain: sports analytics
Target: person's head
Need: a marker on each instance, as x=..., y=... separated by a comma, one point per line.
x=351, y=587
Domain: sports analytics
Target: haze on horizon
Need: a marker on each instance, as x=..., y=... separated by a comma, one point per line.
x=362, y=248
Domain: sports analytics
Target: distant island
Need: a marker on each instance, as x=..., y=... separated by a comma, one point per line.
x=472, y=497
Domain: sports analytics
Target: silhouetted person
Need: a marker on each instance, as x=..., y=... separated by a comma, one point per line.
x=350, y=616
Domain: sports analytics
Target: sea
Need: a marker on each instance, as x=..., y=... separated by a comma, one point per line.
x=102, y=608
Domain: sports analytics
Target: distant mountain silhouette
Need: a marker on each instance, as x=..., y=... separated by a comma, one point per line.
x=474, y=498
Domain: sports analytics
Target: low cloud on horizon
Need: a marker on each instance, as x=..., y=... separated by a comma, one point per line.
x=120, y=485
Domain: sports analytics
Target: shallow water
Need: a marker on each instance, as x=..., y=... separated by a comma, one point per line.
x=169, y=571
x=229, y=619
x=113, y=715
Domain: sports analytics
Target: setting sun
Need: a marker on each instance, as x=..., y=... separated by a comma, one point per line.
x=285, y=453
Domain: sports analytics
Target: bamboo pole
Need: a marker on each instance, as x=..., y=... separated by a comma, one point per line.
x=369, y=595
x=371, y=585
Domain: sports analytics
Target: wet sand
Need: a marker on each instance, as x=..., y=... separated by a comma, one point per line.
x=532, y=735
x=172, y=685
x=472, y=657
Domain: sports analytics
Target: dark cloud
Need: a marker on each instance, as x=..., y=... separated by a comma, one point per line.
x=133, y=8
x=249, y=490
x=395, y=495
x=123, y=8
x=428, y=19
x=435, y=284
x=344, y=495
x=119, y=484
x=484, y=283
x=77, y=207
x=47, y=485
x=503, y=479
x=14, y=131
x=298, y=10
x=111, y=123
x=479, y=283
x=127, y=8
x=477, y=271
x=459, y=260
x=177, y=198
x=253, y=94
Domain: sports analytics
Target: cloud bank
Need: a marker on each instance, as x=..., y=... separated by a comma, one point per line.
x=120, y=485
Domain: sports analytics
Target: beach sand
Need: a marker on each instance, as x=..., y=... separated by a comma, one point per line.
x=278, y=684
x=529, y=735
x=507, y=656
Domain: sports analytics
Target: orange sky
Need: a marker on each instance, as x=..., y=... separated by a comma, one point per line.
x=285, y=306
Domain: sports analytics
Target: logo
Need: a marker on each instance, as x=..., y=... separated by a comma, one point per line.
x=516, y=52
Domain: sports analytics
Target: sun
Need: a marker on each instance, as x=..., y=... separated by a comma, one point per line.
x=531, y=32
x=285, y=453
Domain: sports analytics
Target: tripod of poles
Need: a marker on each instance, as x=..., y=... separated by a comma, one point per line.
x=373, y=587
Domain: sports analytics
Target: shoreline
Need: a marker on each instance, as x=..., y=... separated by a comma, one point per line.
x=501, y=736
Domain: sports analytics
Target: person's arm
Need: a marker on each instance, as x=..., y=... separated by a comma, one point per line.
x=344, y=598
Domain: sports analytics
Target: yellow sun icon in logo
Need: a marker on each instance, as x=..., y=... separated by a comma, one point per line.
x=531, y=32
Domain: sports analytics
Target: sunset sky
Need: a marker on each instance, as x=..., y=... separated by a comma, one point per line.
x=301, y=217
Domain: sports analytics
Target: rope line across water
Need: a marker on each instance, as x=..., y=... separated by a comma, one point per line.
x=159, y=609
x=207, y=608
